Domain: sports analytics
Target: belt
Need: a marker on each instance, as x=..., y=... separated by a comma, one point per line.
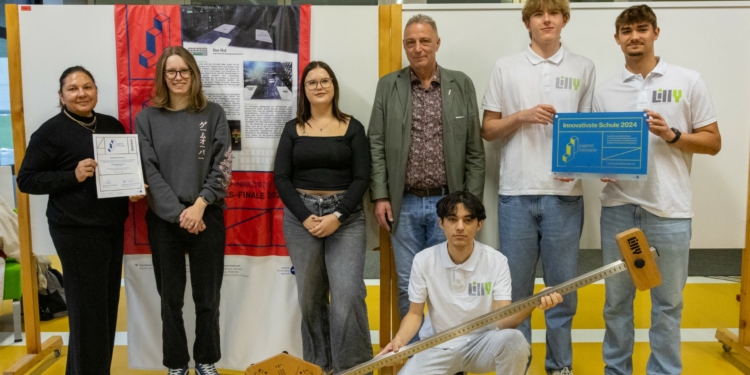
x=428, y=192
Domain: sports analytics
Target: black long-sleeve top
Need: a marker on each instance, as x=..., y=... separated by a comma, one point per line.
x=322, y=163
x=49, y=167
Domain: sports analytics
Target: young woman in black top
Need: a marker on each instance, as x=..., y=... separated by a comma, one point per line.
x=322, y=171
x=87, y=232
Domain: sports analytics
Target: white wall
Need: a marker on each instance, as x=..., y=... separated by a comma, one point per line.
x=704, y=36
x=346, y=38
x=47, y=48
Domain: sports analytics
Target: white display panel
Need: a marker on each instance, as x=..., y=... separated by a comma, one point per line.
x=346, y=38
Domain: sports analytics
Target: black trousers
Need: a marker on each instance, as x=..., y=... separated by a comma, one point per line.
x=92, y=270
x=169, y=243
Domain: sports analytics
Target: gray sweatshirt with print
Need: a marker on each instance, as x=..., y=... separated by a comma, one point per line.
x=185, y=156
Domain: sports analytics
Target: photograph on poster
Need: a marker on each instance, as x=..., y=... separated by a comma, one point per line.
x=267, y=80
x=235, y=128
x=245, y=27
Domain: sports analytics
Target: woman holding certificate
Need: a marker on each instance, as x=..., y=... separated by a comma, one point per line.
x=87, y=232
x=187, y=162
x=322, y=170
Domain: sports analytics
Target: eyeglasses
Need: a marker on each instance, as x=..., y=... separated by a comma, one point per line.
x=172, y=74
x=324, y=83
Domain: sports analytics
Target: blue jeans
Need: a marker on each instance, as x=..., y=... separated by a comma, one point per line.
x=418, y=228
x=672, y=238
x=335, y=334
x=547, y=227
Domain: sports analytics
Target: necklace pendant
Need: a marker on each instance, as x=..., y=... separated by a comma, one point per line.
x=321, y=130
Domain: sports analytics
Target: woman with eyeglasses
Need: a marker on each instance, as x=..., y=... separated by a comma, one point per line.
x=322, y=171
x=87, y=232
x=187, y=161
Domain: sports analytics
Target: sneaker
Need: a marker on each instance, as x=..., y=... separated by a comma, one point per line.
x=205, y=369
x=178, y=371
x=562, y=371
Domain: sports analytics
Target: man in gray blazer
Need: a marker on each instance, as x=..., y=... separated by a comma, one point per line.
x=425, y=142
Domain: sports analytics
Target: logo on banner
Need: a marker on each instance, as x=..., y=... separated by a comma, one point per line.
x=286, y=271
x=666, y=96
x=157, y=38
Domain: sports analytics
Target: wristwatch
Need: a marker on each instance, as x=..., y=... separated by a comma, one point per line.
x=677, y=134
x=338, y=214
x=204, y=199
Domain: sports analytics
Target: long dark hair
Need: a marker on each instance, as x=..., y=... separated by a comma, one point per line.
x=65, y=74
x=303, y=105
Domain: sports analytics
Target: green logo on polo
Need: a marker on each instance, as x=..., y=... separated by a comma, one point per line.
x=480, y=289
x=567, y=83
x=666, y=96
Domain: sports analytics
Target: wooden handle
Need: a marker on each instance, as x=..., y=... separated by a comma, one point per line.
x=283, y=364
x=640, y=260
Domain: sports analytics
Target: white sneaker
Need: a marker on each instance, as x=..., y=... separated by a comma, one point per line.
x=178, y=371
x=562, y=371
x=205, y=369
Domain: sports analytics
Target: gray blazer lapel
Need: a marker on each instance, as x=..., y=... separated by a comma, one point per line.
x=447, y=92
x=403, y=87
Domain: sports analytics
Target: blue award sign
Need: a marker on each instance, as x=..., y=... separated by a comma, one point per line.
x=599, y=145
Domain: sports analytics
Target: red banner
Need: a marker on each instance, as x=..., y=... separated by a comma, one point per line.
x=142, y=32
x=254, y=214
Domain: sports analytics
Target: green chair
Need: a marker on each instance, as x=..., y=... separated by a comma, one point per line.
x=12, y=291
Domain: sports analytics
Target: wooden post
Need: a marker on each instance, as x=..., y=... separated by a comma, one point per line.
x=386, y=257
x=36, y=351
x=389, y=47
x=741, y=342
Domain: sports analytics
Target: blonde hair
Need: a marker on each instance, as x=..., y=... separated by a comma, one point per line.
x=533, y=6
x=197, y=101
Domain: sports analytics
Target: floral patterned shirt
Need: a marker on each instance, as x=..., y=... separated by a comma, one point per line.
x=425, y=167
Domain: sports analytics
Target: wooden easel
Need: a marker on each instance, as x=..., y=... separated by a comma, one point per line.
x=741, y=343
x=389, y=47
x=36, y=351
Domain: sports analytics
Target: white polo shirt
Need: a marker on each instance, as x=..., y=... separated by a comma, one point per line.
x=456, y=293
x=525, y=80
x=681, y=97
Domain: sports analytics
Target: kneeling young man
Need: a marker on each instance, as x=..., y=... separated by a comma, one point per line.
x=460, y=280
